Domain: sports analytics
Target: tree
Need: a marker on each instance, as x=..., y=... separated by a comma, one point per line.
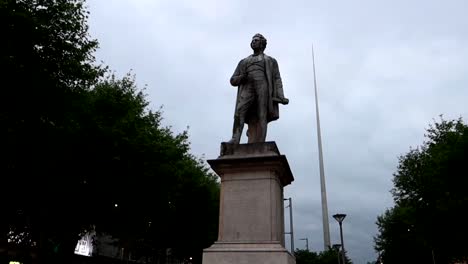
x=154, y=193
x=429, y=195
x=304, y=256
x=136, y=180
x=81, y=150
x=47, y=62
x=325, y=257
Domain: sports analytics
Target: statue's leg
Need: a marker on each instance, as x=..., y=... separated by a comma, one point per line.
x=262, y=109
x=237, y=128
x=252, y=132
x=245, y=100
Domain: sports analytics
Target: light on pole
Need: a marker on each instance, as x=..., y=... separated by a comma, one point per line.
x=291, y=228
x=336, y=247
x=340, y=218
x=307, y=242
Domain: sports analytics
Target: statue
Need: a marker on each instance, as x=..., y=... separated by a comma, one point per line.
x=260, y=90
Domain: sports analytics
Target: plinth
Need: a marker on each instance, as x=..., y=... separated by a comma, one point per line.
x=251, y=219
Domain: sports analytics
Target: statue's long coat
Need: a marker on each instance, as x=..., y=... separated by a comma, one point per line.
x=275, y=86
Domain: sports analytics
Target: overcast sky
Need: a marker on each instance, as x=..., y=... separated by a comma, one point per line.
x=385, y=70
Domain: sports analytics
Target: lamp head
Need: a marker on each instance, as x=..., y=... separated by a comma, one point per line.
x=339, y=217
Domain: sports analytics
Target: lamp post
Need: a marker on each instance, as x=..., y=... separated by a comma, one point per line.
x=307, y=242
x=336, y=247
x=340, y=218
x=291, y=228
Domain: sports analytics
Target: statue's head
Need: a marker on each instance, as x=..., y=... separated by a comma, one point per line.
x=258, y=42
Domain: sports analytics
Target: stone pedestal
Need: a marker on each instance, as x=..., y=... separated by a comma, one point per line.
x=251, y=220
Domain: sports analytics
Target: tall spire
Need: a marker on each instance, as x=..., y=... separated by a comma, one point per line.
x=326, y=226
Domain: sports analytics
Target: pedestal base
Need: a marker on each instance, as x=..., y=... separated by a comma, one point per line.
x=251, y=218
x=247, y=253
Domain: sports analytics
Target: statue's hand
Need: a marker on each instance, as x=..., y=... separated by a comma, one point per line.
x=244, y=77
x=237, y=80
x=283, y=100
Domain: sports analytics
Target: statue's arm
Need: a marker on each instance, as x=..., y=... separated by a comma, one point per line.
x=238, y=75
x=277, y=80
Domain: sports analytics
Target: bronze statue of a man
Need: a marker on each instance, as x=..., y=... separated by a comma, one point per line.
x=260, y=90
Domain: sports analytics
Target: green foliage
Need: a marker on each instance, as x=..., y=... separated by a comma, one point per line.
x=125, y=174
x=325, y=257
x=46, y=61
x=304, y=256
x=45, y=54
x=80, y=149
x=429, y=193
x=163, y=193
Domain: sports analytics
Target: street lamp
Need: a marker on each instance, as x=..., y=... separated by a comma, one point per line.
x=340, y=218
x=336, y=247
x=291, y=228
x=307, y=242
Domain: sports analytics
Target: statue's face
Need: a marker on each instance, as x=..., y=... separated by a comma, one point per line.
x=256, y=43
